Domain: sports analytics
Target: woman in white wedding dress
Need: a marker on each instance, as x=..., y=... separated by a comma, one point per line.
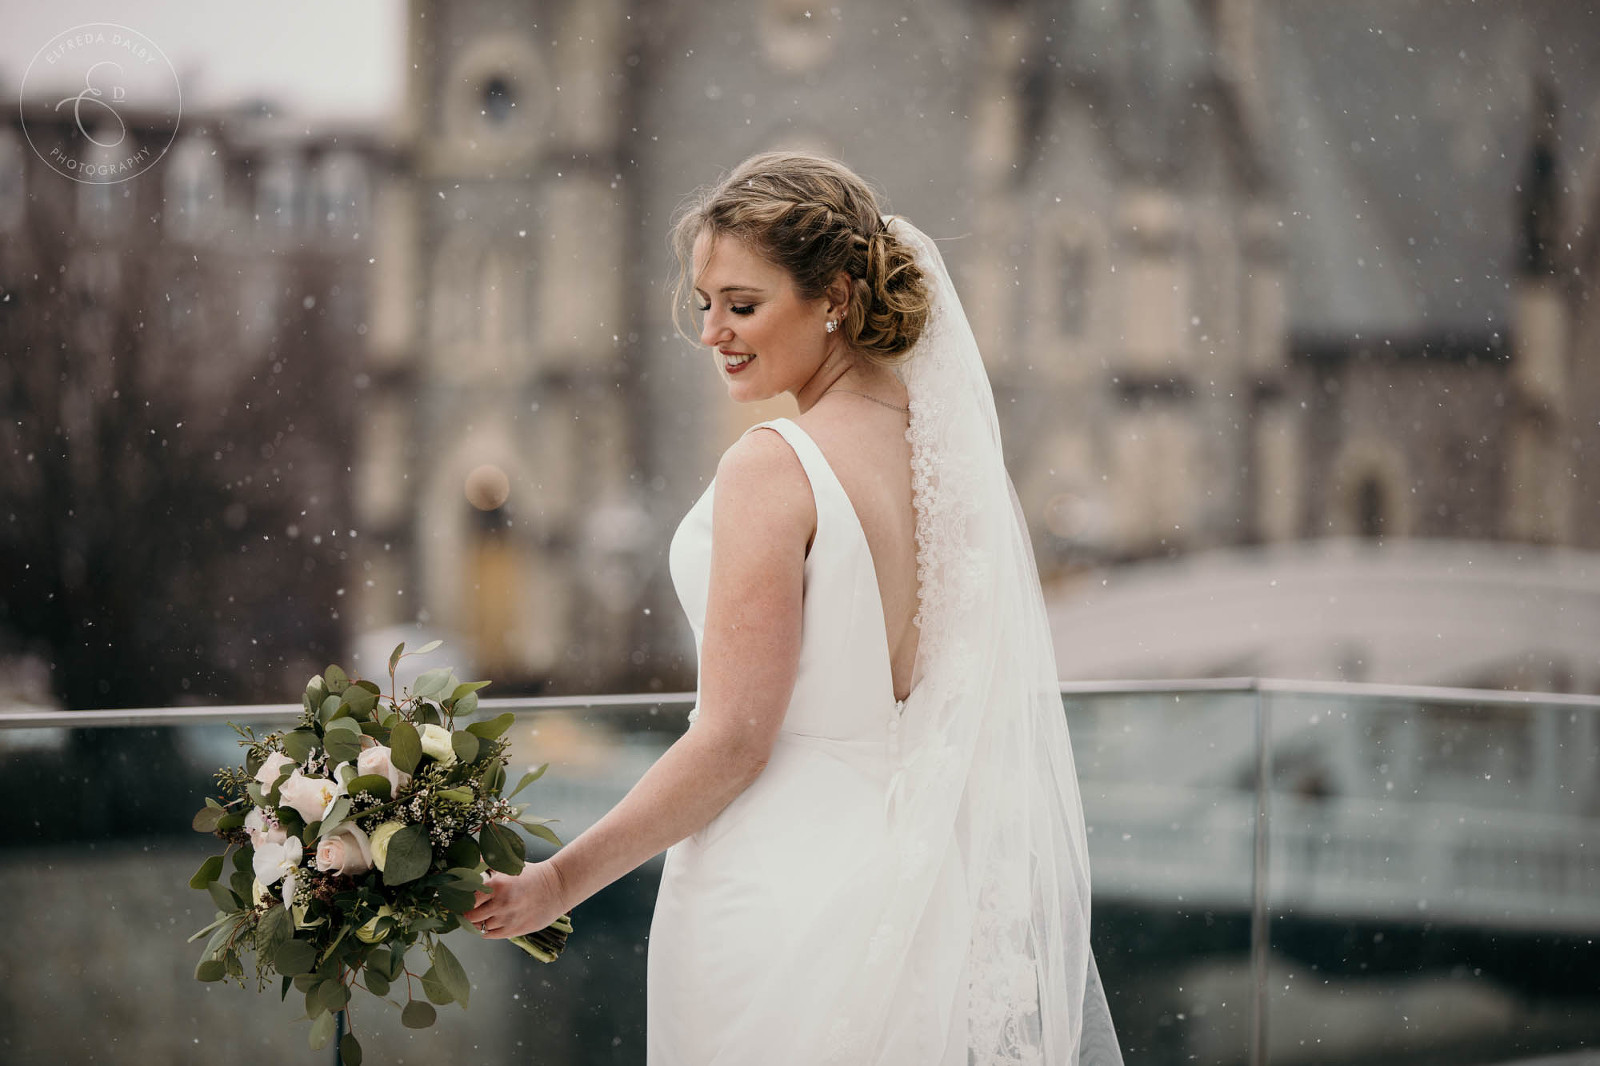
x=876, y=851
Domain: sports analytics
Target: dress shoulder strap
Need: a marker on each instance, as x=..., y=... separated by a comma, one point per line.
x=826, y=488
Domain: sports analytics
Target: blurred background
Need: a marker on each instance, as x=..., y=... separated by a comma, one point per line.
x=326, y=326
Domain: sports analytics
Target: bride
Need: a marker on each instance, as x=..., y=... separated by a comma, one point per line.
x=875, y=844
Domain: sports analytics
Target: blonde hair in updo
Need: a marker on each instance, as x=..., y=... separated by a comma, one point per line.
x=814, y=217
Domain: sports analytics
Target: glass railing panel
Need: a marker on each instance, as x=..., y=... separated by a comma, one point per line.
x=1434, y=880
x=96, y=852
x=1168, y=785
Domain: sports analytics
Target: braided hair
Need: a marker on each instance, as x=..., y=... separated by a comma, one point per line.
x=815, y=218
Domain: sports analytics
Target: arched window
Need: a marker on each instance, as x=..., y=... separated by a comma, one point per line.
x=13, y=181
x=1371, y=509
x=494, y=589
x=341, y=193
x=279, y=191
x=193, y=188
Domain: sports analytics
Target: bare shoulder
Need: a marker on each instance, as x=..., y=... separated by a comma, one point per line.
x=762, y=485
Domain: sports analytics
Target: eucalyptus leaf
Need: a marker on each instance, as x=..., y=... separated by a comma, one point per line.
x=502, y=849
x=321, y=1030
x=328, y=996
x=463, y=852
x=210, y=970
x=468, y=686
x=343, y=725
x=274, y=930
x=465, y=745
x=343, y=746
x=493, y=728
x=209, y=871
x=224, y=897
x=336, y=680
x=231, y=820
x=299, y=744
x=359, y=700
x=432, y=645
x=527, y=779
x=329, y=708
x=334, y=818
x=466, y=705
x=376, y=982
x=257, y=794
x=394, y=656
x=405, y=747
x=242, y=881
x=243, y=857
x=540, y=830
x=316, y=692
x=294, y=957
x=433, y=682
x=452, y=898
x=376, y=784
x=349, y=1050
x=418, y=1014
x=206, y=819
x=434, y=987
x=410, y=855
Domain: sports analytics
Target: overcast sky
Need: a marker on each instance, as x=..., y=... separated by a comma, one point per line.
x=313, y=57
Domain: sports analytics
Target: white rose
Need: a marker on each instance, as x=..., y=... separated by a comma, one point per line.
x=263, y=828
x=436, y=742
x=309, y=796
x=276, y=763
x=274, y=861
x=345, y=851
x=379, y=843
x=379, y=760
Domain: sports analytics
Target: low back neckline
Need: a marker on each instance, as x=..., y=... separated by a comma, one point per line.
x=872, y=563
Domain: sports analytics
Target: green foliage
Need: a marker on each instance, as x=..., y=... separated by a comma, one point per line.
x=410, y=854
x=503, y=850
x=435, y=837
x=209, y=871
x=418, y=1014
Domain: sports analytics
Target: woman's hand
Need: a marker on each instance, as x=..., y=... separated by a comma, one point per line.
x=517, y=905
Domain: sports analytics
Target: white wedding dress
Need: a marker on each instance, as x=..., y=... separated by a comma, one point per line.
x=905, y=883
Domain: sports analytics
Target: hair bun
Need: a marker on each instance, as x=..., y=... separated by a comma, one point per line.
x=816, y=218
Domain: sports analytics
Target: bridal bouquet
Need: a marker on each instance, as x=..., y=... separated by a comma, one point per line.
x=362, y=831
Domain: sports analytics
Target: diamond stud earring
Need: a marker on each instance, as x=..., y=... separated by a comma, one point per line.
x=832, y=325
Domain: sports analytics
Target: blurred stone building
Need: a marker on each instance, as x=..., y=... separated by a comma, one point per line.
x=182, y=351
x=1194, y=344
x=1230, y=295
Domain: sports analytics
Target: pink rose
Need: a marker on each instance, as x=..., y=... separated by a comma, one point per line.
x=379, y=760
x=345, y=851
x=263, y=828
x=276, y=763
x=309, y=796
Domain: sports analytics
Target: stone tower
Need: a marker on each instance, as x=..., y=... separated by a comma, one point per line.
x=1538, y=464
x=499, y=309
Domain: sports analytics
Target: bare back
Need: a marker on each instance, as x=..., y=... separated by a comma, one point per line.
x=866, y=447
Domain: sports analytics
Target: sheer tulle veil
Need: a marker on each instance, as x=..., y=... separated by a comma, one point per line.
x=986, y=812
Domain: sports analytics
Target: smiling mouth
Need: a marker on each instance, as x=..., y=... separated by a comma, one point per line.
x=735, y=360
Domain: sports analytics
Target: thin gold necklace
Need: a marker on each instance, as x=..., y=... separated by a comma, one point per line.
x=874, y=399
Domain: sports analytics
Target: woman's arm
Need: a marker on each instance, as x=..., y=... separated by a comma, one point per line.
x=763, y=517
